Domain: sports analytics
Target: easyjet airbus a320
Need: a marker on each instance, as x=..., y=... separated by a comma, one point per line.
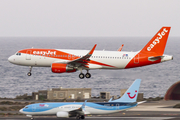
x=66, y=60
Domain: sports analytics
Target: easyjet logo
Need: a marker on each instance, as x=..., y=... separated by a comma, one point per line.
x=45, y=52
x=157, y=40
x=132, y=97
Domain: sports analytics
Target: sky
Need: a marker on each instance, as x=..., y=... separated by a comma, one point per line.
x=88, y=18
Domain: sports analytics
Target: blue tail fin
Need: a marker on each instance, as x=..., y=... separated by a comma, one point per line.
x=131, y=94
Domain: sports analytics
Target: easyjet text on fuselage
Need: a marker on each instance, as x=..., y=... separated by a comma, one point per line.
x=44, y=52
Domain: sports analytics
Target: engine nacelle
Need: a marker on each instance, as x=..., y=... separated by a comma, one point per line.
x=62, y=114
x=61, y=68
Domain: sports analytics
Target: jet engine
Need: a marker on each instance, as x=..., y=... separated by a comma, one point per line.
x=62, y=114
x=61, y=68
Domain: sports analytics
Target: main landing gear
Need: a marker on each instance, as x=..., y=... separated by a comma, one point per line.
x=78, y=117
x=87, y=75
x=29, y=73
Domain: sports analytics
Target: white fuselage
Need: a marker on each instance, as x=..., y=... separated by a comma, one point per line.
x=111, y=59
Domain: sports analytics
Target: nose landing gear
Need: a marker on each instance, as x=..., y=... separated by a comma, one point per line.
x=29, y=73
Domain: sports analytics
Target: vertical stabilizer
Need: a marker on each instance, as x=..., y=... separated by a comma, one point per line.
x=131, y=94
x=158, y=43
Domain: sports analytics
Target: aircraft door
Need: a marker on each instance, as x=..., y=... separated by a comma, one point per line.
x=136, y=59
x=33, y=108
x=28, y=55
x=117, y=106
x=69, y=56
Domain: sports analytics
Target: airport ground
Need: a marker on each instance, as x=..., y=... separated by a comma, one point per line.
x=155, y=110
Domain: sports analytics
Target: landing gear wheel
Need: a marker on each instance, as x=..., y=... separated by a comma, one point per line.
x=81, y=75
x=88, y=75
x=29, y=74
x=32, y=118
x=82, y=117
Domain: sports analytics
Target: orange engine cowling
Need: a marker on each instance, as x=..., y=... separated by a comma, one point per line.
x=61, y=68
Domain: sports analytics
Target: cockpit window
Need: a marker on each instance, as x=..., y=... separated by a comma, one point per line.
x=18, y=54
x=26, y=107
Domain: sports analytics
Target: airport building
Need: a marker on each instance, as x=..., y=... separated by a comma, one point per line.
x=62, y=93
x=74, y=93
x=105, y=95
x=173, y=93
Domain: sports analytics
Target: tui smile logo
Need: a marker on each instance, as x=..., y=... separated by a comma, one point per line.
x=132, y=96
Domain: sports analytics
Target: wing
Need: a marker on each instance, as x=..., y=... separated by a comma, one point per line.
x=82, y=62
x=80, y=111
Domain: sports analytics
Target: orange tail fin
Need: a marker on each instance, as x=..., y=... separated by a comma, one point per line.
x=158, y=43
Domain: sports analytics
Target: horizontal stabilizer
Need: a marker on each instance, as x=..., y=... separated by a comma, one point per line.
x=141, y=102
x=155, y=58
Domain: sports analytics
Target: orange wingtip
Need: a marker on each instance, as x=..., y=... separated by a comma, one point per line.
x=91, y=52
x=121, y=47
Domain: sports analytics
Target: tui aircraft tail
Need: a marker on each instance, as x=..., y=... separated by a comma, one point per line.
x=158, y=43
x=131, y=94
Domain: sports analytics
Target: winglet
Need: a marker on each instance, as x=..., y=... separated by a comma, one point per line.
x=120, y=47
x=110, y=100
x=92, y=50
x=84, y=104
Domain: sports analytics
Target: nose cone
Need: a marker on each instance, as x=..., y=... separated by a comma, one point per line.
x=11, y=59
x=21, y=110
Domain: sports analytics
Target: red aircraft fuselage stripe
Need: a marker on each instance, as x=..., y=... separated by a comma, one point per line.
x=142, y=60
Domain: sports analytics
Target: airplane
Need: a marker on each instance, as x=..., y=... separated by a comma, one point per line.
x=67, y=61
x=80, y=109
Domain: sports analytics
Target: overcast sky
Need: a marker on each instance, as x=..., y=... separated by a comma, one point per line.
x=88, y=18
